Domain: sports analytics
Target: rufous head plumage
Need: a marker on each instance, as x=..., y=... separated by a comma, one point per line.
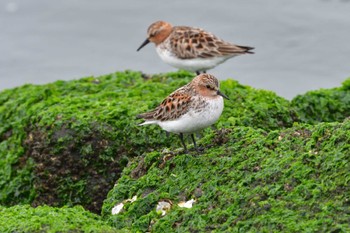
x=157, y=32
x=207, y=85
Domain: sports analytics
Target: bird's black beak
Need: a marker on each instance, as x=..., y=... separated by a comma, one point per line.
x=143, y=44
x=222, y=94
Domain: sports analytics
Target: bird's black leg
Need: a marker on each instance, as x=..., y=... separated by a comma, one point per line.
x=182, y=141
x=198, y=72
x=198, y=149
x=194, y=142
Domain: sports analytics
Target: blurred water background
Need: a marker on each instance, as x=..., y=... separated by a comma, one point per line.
x=300, y=45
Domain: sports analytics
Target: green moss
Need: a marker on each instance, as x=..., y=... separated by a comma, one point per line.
x=290, y=180
x=67, y=142
x=23, y=218
x=255, y=108
x=325, y=105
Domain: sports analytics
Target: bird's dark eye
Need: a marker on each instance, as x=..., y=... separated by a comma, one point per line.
x=208, y=86
x=154, y=33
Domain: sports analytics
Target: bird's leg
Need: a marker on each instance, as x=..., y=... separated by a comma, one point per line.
x=198, y=149
x=182, y=141
x=194, y=142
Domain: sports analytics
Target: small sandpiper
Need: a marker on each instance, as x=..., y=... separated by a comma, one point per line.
x=190, y=48
x=189, y=109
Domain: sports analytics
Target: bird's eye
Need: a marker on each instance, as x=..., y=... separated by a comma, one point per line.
x=153, y=34
x=208, y=86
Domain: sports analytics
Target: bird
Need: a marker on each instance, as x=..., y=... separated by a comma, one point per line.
x=189, y=48
x=189, y=109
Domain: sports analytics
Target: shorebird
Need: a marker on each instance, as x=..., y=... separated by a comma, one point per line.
x=189, y=109
x=190, y=48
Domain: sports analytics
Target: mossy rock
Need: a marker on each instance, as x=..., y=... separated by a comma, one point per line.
x=23, y=218
x=325, y=105
x=66, y=143
x=291, y=180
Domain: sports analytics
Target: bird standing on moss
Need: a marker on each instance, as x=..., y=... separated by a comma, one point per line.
x=189, y=109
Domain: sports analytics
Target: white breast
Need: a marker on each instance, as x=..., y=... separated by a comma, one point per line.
x=193, y=64
x=194, y=121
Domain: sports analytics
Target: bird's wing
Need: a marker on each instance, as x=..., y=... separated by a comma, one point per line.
x=190, y=42
x=172, y=107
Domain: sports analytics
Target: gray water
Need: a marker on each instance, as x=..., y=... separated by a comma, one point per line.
x=300, y=45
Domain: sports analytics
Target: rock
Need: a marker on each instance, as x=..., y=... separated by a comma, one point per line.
x=23, y=218
x=68, y=143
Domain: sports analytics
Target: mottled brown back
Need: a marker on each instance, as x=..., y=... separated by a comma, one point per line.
x=191, y=42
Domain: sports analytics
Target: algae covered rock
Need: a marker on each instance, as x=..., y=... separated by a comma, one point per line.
x=325, y=105
x=291, y=180
x=23, y=218
x=66, y=143
x=255, y=108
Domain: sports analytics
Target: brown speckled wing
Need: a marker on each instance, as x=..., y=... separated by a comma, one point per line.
x=174, y=106
x=191, y=42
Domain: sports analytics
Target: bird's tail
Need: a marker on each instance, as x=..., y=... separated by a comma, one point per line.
x=147, y=117
x=147, y=123
x=247, y=49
